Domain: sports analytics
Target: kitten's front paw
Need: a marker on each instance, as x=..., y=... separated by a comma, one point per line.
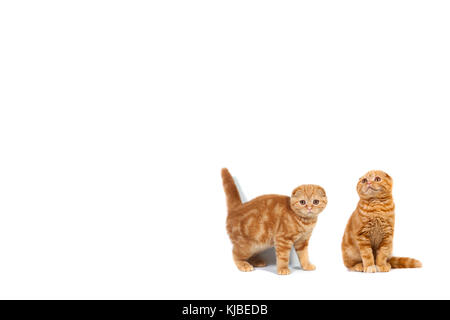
x=384, y=268
x=284, y=271
x=309, y=267
x=370, y=269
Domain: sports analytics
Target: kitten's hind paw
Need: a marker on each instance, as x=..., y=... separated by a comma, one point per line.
x=384, y=268
x=244, y=266
x=284, y=271
x=259, y=263
x=357, y=268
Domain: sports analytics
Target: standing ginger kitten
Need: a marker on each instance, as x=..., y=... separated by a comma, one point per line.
x=367, y=241
x=272, y=220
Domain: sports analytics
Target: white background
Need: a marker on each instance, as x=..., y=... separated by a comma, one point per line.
x=117, y=116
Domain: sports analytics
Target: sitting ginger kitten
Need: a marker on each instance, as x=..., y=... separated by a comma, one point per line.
x=367, y=241
x=272, y=220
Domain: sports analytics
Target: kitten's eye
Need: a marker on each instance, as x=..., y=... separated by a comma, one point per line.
x=316, y=202
x=377, y=179
x=364, y=180
x=302, y=202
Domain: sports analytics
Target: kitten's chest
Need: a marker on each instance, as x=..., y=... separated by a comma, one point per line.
x=377, y=229
x=303, y=232
x=302, y=235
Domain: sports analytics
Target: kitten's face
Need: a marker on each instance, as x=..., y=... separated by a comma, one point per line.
x=308, y=200
x=374, y=184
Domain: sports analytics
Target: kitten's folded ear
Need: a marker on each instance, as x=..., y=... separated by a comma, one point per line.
x=388, y=176
x=321, y=191
x=296, y=191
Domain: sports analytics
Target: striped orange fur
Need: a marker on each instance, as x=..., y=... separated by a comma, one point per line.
x=272, y=220
x=367, y=241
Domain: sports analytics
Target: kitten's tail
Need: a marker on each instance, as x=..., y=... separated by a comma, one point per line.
x=397, y=263
x=231, y=191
